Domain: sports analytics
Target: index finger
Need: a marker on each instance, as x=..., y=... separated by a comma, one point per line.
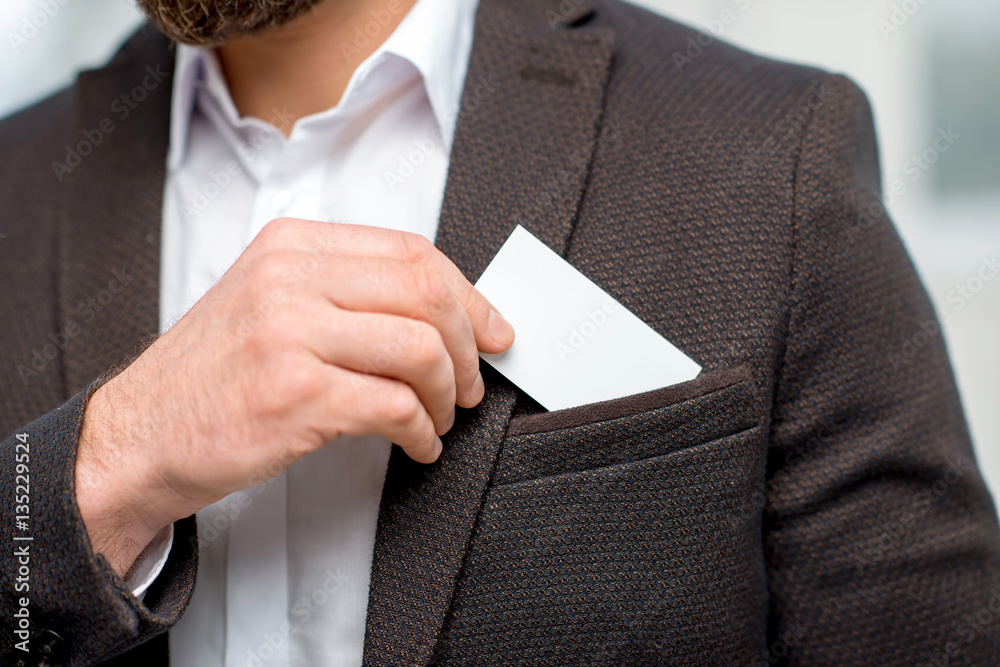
x=493, y=333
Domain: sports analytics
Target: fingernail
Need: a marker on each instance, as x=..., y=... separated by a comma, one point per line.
x=500, y=329
x=438, y=447
x=478, y=388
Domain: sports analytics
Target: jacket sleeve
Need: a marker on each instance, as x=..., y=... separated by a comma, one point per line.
x=881, y=539
x=62, y=602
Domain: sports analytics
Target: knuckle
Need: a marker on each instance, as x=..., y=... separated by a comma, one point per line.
x=466, y=362
x=277, y=228
x=473, y=302
x=431, y=290
x=426, y=438
x=259, y=338
x=269, y=272
x=285, y=383
x=401, y=407
x=426, y=346
x=266, y=271
x=411, y=280
x=257, y=346
x=413, y=248
x=437, y=295
x=298, y=381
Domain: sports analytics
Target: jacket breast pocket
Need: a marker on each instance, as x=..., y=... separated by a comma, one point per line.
x=712, y=406
x=621, y=533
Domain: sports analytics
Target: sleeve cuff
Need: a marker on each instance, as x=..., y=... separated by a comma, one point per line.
x=150, y=563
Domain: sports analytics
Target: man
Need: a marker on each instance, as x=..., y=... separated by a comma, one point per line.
x=265, y=194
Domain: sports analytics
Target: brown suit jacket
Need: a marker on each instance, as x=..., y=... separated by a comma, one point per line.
x=811, y=499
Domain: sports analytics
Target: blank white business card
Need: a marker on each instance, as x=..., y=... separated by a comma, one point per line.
x=574, y=343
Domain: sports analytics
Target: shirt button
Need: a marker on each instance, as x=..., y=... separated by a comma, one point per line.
x=281, y=201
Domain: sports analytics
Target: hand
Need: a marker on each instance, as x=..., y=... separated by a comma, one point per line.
x=317, y=330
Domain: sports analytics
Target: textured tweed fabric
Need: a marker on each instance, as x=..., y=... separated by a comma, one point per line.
x=812, y=499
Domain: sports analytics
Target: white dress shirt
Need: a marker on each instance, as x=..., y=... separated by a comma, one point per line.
x=285, y=566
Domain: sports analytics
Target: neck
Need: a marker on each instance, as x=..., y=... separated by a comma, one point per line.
x=303, y=67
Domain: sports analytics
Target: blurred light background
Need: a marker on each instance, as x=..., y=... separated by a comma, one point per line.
x=927, y=65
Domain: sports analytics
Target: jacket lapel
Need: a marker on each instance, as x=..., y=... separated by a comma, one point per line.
x=109, y=242
x=529, y=122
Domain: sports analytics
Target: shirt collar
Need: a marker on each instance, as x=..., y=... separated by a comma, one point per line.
x=435, y=37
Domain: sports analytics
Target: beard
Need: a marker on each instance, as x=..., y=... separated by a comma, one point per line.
x=209, y=22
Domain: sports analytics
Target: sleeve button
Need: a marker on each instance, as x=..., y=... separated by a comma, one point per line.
x=50, y=643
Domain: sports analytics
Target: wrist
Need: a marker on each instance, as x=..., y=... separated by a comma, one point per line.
x=113, y=489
